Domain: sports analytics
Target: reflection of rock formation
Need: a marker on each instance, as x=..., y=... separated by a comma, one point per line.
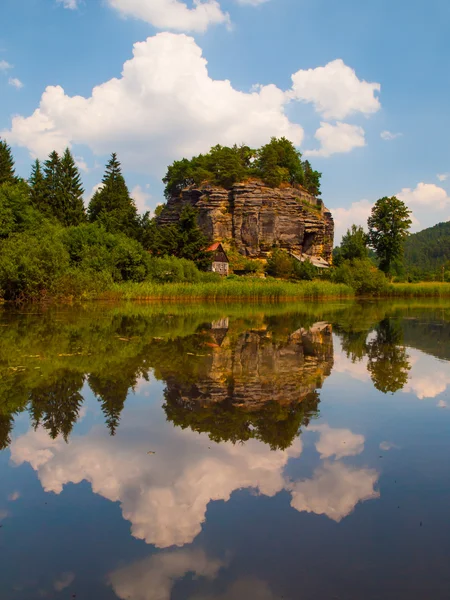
x=253, y=376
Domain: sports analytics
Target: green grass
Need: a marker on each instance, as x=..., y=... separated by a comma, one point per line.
x=251, y=289
x=424, y=289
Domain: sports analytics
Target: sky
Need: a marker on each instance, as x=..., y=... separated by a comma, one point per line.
x=361, y=88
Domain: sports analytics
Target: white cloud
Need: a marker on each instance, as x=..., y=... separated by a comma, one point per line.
x=442, y=404
x=334, y=490
x=141, y=199
x=173, y=14
x=5, y=66
x=153, y=578
x=81, y=164
x=164, y=106
x=344, y=218
x=427, y=378
x=15, y=83
x=425, y=195
x=337, y=442
x=335, y=91
x=388, y=135
x=443, y=176
x=70, y=4
x=64, y=581
x=338, y=138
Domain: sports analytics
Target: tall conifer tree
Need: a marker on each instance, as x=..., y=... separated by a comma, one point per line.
x=71, y=191
x=6, y=163
x=52, y=202
x=37, y=187
x=112, y=205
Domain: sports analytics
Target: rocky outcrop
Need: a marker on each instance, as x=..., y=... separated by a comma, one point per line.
x=257, y=218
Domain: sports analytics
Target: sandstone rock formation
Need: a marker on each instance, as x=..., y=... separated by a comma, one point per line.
x=257, y=218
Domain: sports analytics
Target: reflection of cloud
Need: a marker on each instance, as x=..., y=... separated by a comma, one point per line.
x=3, y=514
x=165, y=495
x=334, y=490
x=356, y=370
x=14, y=496
x=442, y=404
x=337, y=442
x=244, y=589
x=63, y=581
x=428, y=377
x=153, y=578
x=387, y=446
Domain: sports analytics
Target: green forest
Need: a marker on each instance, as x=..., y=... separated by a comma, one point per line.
x=427, y=253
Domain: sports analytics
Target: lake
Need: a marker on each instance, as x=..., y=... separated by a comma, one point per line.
x=297, y=451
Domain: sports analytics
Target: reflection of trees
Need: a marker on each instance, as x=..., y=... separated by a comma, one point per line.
x=274, y=424
x=56, y=405
x=6, y=425
x=388, y=362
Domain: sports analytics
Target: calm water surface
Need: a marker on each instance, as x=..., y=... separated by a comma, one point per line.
x=226, y=452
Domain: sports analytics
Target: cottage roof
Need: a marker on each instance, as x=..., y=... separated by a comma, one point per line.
x=217, y=247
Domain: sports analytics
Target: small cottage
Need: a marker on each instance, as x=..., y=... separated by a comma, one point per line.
x=220, y=263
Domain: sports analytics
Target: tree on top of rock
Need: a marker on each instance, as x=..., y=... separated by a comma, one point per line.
x=289, y=166
x=311, y=179
x=6, y=163
x=112, y=205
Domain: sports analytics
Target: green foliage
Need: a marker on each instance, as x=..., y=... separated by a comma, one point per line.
x=184, y=239
x=275, y=163
x=169, y=269
x=353, y=246
x=389, y=226
x=91, y=248
x=16, y=211
x=71, y=191
x=111, y=205
x=37, y=187
x=6, y=164
x=304, y=271
x=280, y=264
x=428, y=251
x=362, y=276
x=30, y=265
x=51, y=202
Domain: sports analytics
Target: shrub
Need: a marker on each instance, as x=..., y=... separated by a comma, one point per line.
x=304, y=271
x=280, y=264
x=169, y=269
x=31, y=264
x=362, y=276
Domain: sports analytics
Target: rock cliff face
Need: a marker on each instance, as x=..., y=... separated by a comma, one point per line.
x=257, y=218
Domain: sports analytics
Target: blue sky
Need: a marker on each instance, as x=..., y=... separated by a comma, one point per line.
x=368, y=102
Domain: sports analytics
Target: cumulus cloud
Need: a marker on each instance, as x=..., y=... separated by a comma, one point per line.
x=337, y=138
x=81, y=164
x=14, y=82
x=427, y=378
x=173, y=14
x=443, y=176
x=334, y=490
x=335, y=91
x=141, y=199
x=357, y=214
x=64, y=581
x=153, y=578
x=425, y=195
x=388, y=135
x=165, y=105
x=5, y=66
x=337, y=442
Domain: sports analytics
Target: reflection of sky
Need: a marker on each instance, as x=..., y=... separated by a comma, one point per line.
x=165, y=495
x=428, y=378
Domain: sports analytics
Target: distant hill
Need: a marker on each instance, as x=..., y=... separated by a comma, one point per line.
x=429, y=249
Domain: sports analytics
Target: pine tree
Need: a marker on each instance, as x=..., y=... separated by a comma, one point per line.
x=112, y=205
x=6, y=163
x=71, y=191
x=311, y=179
x=52, y=202
x=37, y=187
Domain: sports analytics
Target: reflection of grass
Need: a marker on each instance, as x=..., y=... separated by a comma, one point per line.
x=424, y=289
x=252, y=289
